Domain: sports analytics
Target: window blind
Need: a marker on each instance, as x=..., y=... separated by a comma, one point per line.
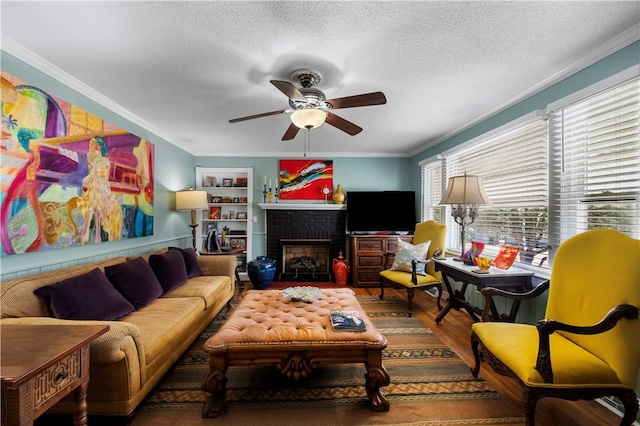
x=595, y=145
x=515, y=170
x=432, y=188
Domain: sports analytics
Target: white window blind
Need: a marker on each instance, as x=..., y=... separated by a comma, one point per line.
x=515, y=170
x=595, y=147
x=432, y=187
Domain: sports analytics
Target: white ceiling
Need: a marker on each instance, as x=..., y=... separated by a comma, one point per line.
x=183, y=69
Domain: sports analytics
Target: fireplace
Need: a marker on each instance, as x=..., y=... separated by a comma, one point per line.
x=305, y=260
x=316, y=231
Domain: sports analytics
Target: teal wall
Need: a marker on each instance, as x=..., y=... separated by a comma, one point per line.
x=175, y=168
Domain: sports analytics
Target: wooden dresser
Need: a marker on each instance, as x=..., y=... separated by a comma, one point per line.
x=41, y=364
x=366, y=257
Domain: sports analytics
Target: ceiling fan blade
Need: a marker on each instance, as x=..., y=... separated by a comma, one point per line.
x=250, y=117
x=342, y=124
x=374, y=98
x=289, y=89
x=291, y=132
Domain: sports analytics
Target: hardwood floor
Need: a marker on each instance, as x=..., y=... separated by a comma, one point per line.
x=455, y=331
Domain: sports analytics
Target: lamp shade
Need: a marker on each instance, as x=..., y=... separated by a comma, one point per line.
x=466, y=189
x=191, y=200
x=308, y=118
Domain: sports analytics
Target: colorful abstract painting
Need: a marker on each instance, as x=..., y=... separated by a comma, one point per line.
x=304, y=179
x=68, y=178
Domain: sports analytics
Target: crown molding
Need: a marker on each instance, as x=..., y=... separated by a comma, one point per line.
x=46, y=67
x=622, y=40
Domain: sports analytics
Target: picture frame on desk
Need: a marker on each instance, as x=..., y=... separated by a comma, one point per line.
x=241, y=215
x=227, y=182
x=238, y=243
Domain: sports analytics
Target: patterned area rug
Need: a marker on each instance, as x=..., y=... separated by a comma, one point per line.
x=430, y=385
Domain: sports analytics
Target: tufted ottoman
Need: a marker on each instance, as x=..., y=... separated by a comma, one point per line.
x=267, y=328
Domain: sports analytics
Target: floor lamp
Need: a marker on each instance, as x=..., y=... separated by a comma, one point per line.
x=192, y=200
x=464, y=194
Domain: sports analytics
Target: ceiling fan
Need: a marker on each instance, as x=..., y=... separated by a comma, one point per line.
x=310, y=108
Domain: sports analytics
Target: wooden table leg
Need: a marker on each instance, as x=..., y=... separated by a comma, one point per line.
x=80, y=416
x=215, y=382
x=376, y=378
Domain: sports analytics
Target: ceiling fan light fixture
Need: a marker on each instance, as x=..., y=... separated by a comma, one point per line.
x=308, y=118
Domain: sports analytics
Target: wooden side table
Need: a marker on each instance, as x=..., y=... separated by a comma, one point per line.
x=40, y=365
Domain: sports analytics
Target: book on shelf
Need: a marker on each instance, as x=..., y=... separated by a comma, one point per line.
x=347, y=321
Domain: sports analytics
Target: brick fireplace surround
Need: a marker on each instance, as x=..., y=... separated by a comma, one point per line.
x=305, y=222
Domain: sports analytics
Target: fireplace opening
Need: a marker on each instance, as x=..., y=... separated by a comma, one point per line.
x=305, y=260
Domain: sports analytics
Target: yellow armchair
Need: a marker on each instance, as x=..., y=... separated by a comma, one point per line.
x=429, y=230
x=587, y=347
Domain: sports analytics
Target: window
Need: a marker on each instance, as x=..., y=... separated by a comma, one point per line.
x=432, y=189
x=596, y=147
x=550, y=180
x=515, y=171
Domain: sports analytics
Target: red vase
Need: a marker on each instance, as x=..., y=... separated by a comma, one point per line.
x=341, y=269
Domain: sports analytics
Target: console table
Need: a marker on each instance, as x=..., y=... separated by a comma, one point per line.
x=513, y=278
x=40, y=365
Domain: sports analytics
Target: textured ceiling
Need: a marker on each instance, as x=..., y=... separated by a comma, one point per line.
x=183, y=69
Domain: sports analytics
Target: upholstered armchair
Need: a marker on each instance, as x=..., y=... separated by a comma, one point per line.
x=587, y=347
x=412, y=266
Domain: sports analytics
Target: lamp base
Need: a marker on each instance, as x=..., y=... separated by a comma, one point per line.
x=193, y=235
x=458, y=259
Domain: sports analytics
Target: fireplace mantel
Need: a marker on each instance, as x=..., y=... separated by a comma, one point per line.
x=301, y=206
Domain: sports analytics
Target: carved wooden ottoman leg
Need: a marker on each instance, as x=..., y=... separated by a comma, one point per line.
x=376, y=378
x=215, y=382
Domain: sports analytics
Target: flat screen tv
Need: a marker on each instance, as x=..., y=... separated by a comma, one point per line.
x=381, y=211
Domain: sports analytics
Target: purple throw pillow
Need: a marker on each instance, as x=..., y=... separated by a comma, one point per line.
x=190, y=261
x=169, y=269
x=135, y=280
x=88, y=296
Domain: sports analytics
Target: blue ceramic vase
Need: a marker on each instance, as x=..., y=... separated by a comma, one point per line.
x=261, y=272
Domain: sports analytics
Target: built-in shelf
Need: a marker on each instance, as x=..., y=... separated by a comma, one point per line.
x=301, y=206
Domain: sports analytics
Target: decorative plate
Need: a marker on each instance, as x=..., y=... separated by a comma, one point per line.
x=306, y=294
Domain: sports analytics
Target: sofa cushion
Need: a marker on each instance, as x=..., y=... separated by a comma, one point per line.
x=164, y=321
x=169, y=269
x=88, y=296
x=209, y=289
x=135, y=280
x=190, y=261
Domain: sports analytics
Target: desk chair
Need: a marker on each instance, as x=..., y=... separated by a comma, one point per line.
x=587, y=347
x=411, y=280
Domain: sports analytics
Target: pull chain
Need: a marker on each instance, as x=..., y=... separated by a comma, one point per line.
x=307, y=141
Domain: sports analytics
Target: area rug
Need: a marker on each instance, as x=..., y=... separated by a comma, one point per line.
x=430, y=386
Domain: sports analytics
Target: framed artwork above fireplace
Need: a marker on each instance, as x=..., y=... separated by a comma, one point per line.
x=304, y=179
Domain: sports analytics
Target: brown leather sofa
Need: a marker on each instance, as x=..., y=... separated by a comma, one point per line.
x=140, y=347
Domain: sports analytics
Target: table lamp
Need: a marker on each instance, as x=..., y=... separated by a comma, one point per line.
x=464, y=194
x=192, y=200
